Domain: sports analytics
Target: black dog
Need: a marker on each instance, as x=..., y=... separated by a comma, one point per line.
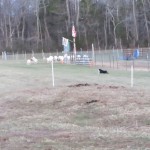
x=103, y=71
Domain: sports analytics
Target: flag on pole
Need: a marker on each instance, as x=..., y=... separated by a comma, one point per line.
x=66, y=44
x=64, y=41
x=74, y=34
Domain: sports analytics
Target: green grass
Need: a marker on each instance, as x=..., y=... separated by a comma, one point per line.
x=68, y=74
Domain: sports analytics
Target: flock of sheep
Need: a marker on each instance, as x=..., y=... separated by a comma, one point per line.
x=49, y=59
x=65, y=58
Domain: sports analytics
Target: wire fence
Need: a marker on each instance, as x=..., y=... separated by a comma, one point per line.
x=115, y=59
x=124, y=59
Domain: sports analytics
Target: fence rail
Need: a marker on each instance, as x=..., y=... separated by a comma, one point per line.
x=116, y=58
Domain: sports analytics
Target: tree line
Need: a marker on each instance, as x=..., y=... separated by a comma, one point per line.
x=39, y=25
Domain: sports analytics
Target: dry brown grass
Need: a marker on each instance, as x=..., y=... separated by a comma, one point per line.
x=80, y=116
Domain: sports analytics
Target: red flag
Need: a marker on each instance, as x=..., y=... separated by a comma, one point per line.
x=74, y=34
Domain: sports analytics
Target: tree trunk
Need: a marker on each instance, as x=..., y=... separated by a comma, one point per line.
x=105, y=32
x=77, y=12
x=146, y=22
x=45, y=22
x=135, y=22
x=37, y=23
x=68, y=12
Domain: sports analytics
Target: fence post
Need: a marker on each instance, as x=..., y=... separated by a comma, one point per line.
x=5, y=55
x=113, y=62
x=25, y=55
x=17, y=55
x=102, y=59
x=126, y=65
x=148, y=61
x=110, y=60
x=117, y=61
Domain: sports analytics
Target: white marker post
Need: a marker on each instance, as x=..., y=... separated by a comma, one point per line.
x=93, y=55
x=131, y=75
x=53, y=74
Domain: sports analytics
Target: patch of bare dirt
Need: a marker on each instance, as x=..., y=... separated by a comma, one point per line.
x=110, y=86
x=76, y=117
x=79, y=85
x=92, y=101
x=3, y=139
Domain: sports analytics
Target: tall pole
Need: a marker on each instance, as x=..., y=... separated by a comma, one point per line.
x=74, y=41
x=74, y=47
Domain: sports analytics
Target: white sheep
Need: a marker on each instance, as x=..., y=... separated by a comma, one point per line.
x=33, y=60
x=61, y=59
x=55, y=58
x=49, y=59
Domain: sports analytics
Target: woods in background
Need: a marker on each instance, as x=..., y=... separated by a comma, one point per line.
x=27, y=25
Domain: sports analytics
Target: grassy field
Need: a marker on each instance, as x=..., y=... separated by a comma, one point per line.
x=84, y=111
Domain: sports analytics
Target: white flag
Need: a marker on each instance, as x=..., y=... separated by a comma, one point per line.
x=64, y=41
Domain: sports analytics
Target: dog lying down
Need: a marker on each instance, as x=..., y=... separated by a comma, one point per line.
x=103, y=71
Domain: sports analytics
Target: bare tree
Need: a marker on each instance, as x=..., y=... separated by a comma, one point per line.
x=37, y=22
x=146, y=22
x=135, y=21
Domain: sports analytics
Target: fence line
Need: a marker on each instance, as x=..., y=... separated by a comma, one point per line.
x=115, y=59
